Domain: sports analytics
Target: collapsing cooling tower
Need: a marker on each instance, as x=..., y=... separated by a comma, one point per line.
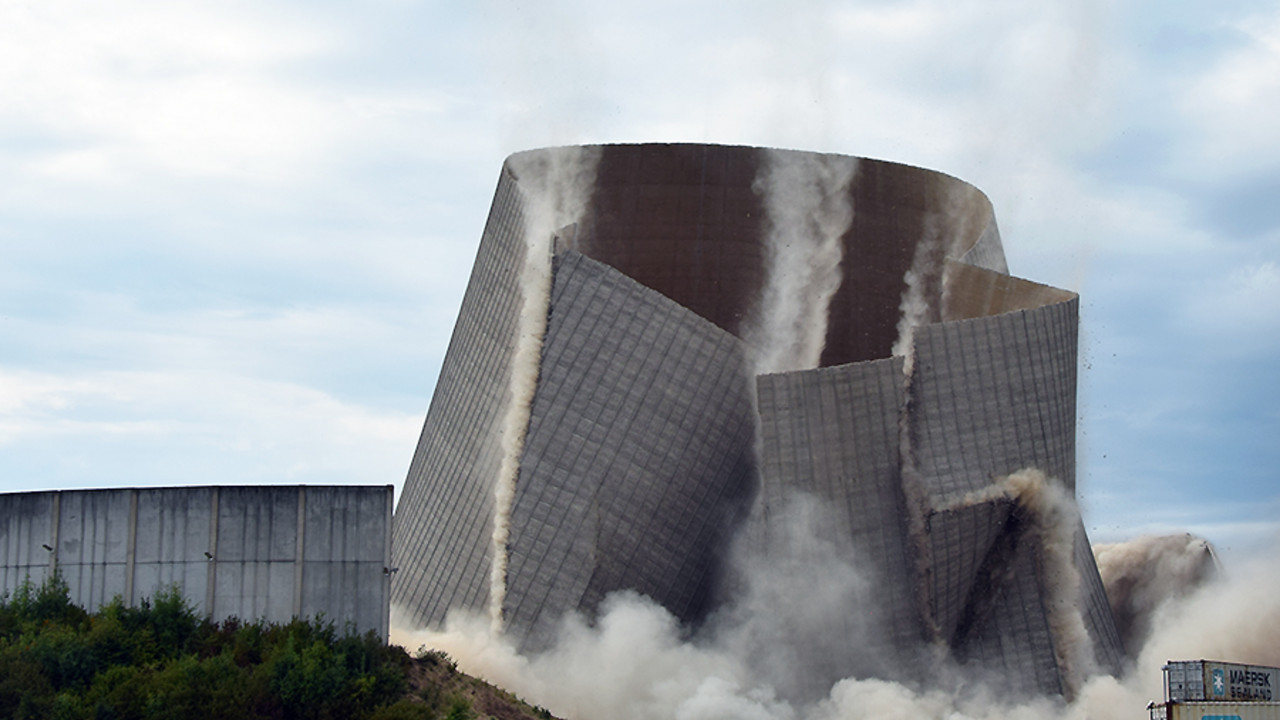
x=660, y=344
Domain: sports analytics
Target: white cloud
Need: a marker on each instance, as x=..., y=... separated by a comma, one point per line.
x=1239, y=309
x=197, y=427
x=34, y=393
x=1233, y=104
x=190, y=90
x=320, y=345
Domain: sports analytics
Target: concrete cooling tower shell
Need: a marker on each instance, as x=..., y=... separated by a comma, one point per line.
x=661, y=345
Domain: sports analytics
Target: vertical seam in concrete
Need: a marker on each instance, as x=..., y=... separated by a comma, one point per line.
x=212, y=555
x=386, y=564
x=130, y=558
x=57, y=521
x=297, y=562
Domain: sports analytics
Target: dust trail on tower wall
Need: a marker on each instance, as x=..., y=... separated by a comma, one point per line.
x=808, y=209
x=943, y=236
x=555, y=189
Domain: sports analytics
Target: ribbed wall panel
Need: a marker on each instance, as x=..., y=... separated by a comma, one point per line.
x=961, y=541
x=27, y=526
x=833, y=433
x=638, y=455
x=171, y=542
x=1009, y=642
x=988, y=252
x=1108, y=646
x=344, y=555
x=992, y=396
x=93, y=544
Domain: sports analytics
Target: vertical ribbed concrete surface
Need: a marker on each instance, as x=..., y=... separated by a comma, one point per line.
x=833, y=433
x=1006, y=635
x=637, y=463
x=994, y=395
x=444, y=525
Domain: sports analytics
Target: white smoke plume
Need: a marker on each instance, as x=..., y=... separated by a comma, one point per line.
x=555, y=189
x=946, y=230
x=916, y=302
x=914, y=309
x=808, y=209
x=1145, y=573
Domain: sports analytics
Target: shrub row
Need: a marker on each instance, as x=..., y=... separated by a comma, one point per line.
x=164, y=660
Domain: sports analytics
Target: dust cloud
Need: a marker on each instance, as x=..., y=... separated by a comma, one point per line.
x=1142, y=574
x=635, y=662
x=789, y=620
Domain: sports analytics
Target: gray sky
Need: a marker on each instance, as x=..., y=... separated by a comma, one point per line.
x=235, y=234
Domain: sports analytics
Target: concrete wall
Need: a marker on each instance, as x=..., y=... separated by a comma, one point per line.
x=1007, y=637
x=271, y=552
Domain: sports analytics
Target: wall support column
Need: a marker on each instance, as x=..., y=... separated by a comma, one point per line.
x=212, y=556
x=388, y=571
x=57, y=521
x=298, y=555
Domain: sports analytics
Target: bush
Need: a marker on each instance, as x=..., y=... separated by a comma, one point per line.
x=51, y=602
x=162, y=660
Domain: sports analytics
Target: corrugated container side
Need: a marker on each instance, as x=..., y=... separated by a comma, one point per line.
x=1184, y=680
x=1213, y=681
x=1240, y=683
x=1221, y=711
